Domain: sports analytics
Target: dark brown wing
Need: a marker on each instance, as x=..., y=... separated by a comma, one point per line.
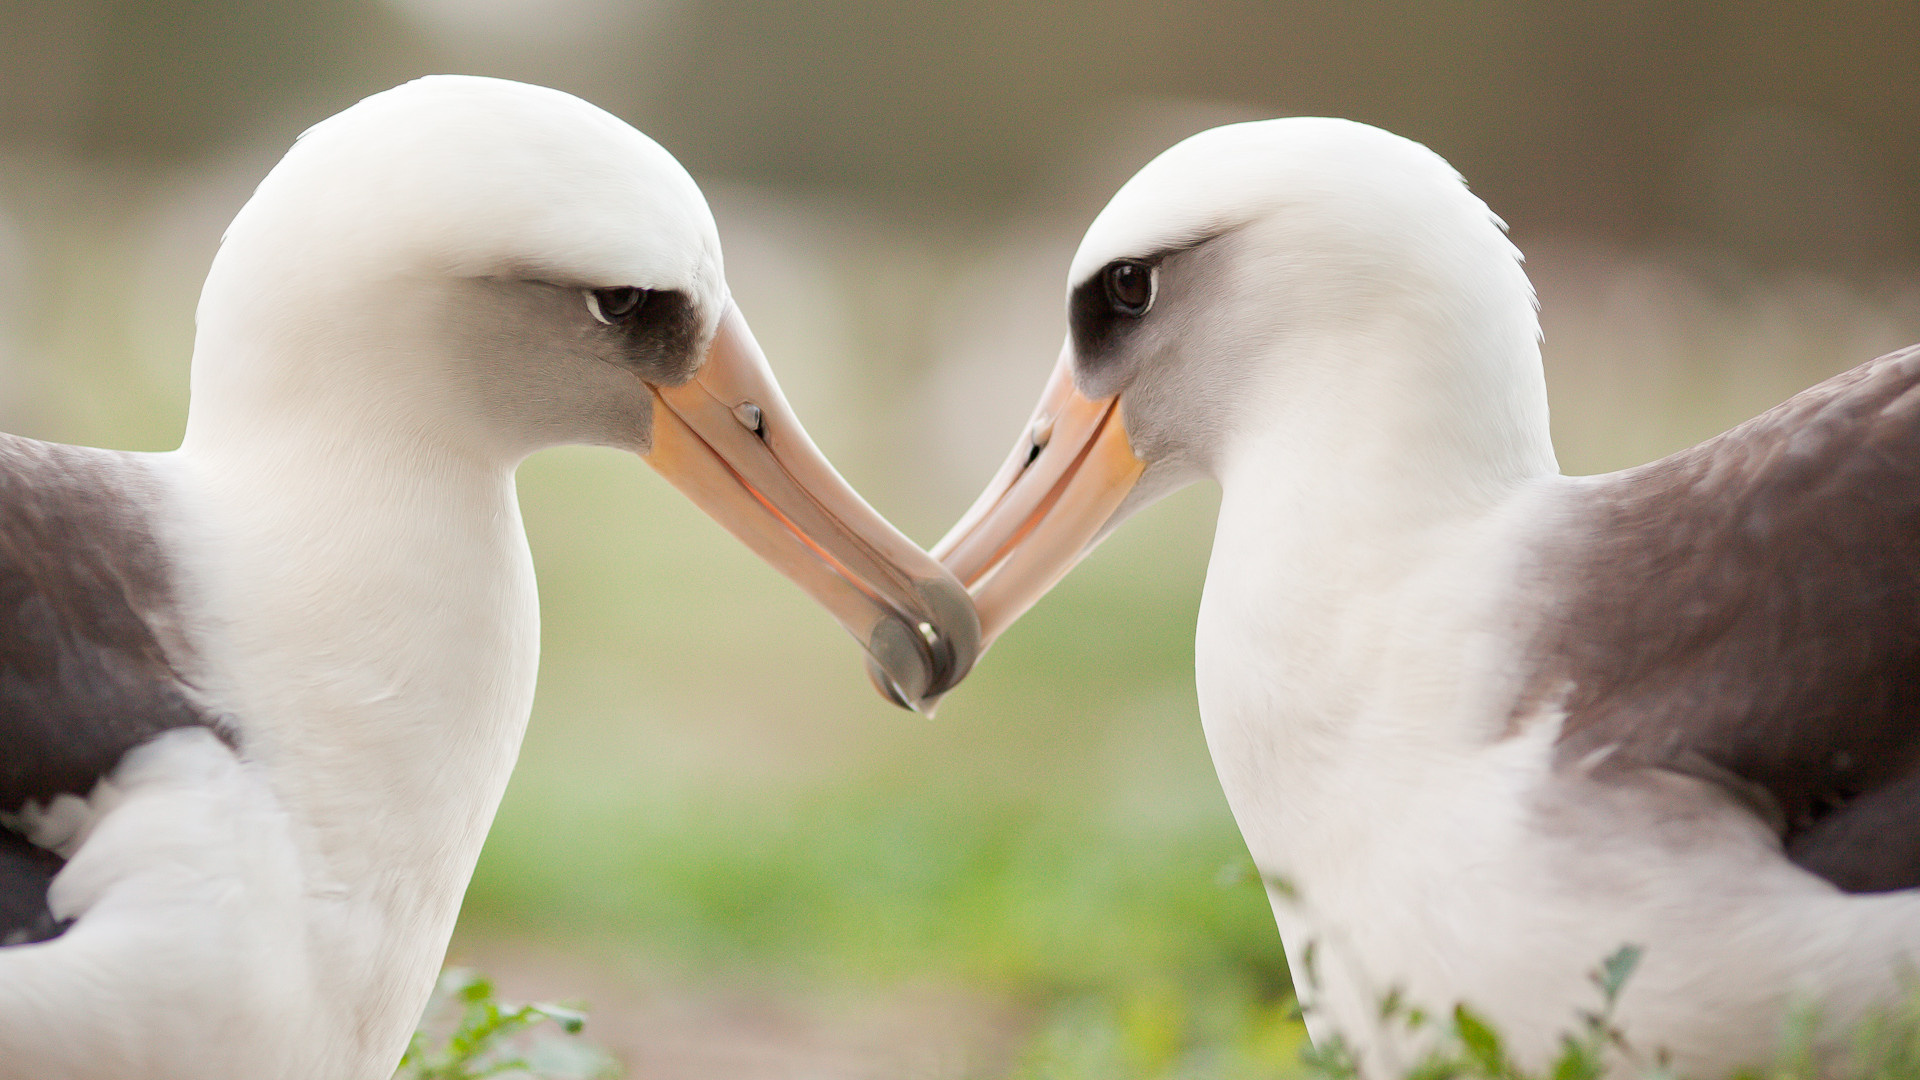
x=1749, y=611
x=25, y=874
x=85, y=597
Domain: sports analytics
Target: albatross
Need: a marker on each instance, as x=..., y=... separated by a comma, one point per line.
x=259, y=696
x=1481, y=723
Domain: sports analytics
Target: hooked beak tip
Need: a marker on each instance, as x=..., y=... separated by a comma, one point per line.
x=885, y=684
x=914, y=664
x=890, y=689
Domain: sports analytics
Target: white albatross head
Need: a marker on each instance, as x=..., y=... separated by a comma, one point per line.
x=1315, y=285
x=472, y=269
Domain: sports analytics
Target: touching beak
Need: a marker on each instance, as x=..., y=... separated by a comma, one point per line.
x=728, y=439
x=1046, y=507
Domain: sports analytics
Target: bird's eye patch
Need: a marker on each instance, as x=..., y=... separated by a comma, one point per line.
x=616, y=305
x=1130, y=286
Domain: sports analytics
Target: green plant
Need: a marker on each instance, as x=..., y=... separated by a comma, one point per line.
x=1473, y=1049
x=468, y=1033
x=1884, y=1046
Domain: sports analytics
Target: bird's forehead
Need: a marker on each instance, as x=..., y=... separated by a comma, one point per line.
x=1230, y=176
x=478, y=176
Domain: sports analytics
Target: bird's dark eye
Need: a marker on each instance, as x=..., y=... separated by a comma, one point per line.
x=1129, y=287
x=617, y=304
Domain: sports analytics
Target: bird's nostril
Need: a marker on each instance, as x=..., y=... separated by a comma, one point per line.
x=1042, y=431
x=1038, y=436
x=751, y=418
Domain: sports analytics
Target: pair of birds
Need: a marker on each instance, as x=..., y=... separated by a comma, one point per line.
x=260, y=695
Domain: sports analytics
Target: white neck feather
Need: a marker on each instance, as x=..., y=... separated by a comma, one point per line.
x=365, y=607
x=1344, y=620
x=1348, y=655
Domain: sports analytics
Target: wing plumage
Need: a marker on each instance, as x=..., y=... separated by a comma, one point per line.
x=86, y=632
x=1748, y=611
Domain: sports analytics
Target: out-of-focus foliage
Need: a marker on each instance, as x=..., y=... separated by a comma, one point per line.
x=1636, y=121
x=469, y=1033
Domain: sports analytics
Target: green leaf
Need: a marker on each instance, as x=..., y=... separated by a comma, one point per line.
x=1282, y=887
x=1481, y=1042
x=1309, y=965
x=491, y=1039
x=1436, y=1068
x=1578, y=1060
x=572, y=1021
x=1615, y=970
x=1331, y=1061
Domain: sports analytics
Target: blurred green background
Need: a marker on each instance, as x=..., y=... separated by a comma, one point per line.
x=717, y=833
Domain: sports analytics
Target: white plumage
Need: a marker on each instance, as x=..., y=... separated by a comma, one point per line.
x=299, y=652
x=1486, y=722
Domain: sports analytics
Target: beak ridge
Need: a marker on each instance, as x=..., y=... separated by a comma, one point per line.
x=729, y=440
